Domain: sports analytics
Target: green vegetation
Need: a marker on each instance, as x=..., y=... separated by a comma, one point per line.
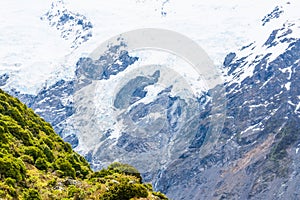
x=35, y=163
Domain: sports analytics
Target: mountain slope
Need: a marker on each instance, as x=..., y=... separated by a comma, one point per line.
x=35, y=163
x=257, y=152
x=253, y=156
x=58, y=32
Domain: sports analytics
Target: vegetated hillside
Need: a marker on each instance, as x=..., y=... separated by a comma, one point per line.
x=35, y=163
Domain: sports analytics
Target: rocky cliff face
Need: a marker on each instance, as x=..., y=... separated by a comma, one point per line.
x=257, y=152
x=71, y=26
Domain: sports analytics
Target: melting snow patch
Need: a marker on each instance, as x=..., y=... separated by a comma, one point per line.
x=297, y=109
x=250, y=128
x=291, y=103
x=288, y=85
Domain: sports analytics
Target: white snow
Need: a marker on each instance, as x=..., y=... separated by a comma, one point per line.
x=289, y=70
x=29, y=44
x=29, y=49
x=256, y=106
x=253, y=128
x=287, y=20
x=291, y=103
x=297, y=109
x=218, y=26
x=288, y=85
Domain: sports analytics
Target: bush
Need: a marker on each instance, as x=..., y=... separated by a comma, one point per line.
x=102, y=173
x=48, y=153
x=74, y=191
x=32, y=194
x=11, y=167
x=52, y=182
x=41, y=164
x=59, y=173
x=26, y=137
x=160, y=195
x=66, y=167
x=125, y=190
x=84, y=171
x=7, y=192
x=72, y=158
x=28, y=159
x=67, y=147
x=125, y=169
x=10, y=182
x=48, y=142
x=34, y=152
x=3, y=134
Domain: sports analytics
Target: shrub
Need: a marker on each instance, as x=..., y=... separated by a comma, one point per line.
x=11, y=167
x=101, y=174
x=47, y=129
x=7, y=192
x=67, y=147
x=125, y=169
x=74, y=191
x=34, y=152
x=52, y=182
x=28, y=159
x=59, y=173
x=48, y=142
x=160, y=195
x=26, y=137
x=10, y=182
x=85, y=171
x=3, y=134
x=66, y=167
x=32, y=194
x=125, y=191
x=48, y=153
x=41, y=164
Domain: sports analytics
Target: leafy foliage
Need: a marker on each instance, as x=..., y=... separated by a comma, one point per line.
x=13, y=168
x=123, y=188
x=126, y=169
x=35, y=163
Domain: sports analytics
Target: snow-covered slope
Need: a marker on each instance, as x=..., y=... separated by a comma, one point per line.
x=257, y=152
x=282, y=24
x=32, y=53
x=42, y=48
